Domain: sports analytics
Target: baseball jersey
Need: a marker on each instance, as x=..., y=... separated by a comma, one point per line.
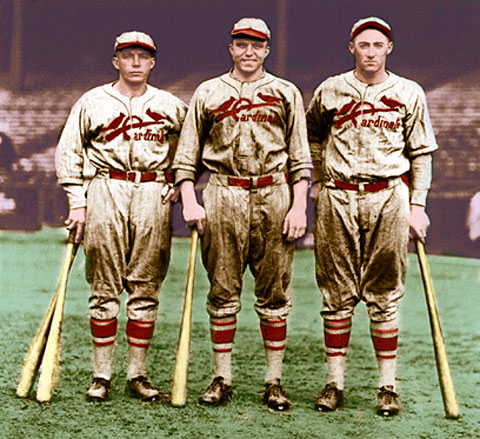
x=115, y=132
x=244, y=129
x=359, y=131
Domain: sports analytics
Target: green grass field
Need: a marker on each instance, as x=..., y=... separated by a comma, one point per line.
x=29, y=268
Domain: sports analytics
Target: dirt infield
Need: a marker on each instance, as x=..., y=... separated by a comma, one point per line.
x=29, y=267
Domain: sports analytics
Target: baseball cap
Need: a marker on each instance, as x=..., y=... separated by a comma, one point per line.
x=134, y=38
x=253, y=27
x=369, y=23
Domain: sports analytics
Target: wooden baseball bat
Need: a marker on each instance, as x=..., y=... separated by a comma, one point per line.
x=34, y=354
x=50, y=365
x=445, y=378
x=178, y=397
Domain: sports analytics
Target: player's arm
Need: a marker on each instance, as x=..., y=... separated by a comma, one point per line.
x=187, y=159
x=295, y=223
x=193, y=212
x=299, y=163
x=420, y=178
x=420, y=141
x=69, y=162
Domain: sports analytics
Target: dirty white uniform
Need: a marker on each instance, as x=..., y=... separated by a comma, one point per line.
x=364, y=139
x=250, y=136
x=127, y=236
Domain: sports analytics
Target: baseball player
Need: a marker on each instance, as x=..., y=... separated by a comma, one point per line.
x=368, y=130
x=113, y=160
x=247, y=127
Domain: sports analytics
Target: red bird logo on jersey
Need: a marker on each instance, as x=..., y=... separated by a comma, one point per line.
x=116, y=127
x=352, y=110
x=231, y=107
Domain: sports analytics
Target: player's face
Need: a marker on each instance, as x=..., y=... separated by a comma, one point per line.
x=248, y=55
x=370, y=49
x=133, y=64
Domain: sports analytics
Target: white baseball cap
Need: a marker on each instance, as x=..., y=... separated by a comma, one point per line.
x=371, y=23
x=134, y=38
x=253, y=27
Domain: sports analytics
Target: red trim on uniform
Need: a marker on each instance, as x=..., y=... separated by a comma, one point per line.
x=140, y=330
x=103, y=328
x=275, y=348
x=224, y=322
x=251, y=33
x=336, y=354
x=385, y=331
x=247, y=183
x=169, y=177
x=222, y=349
x=385, y=344
x=337, y=340
x=387, y=357
x=406, y=179
x=222, y=336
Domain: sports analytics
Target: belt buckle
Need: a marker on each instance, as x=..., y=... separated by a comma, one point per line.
x=137, y=175
x=361, y=188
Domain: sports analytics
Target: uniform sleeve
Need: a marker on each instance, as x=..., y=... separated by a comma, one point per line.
x=188, y=155
x=178, y=121
x=69, y=156
x=420, y=143
x=419, y=136
x=299, y=163
x=317, y=128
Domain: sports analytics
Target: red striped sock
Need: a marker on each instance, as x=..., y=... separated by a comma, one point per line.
x=222, y=332
x=103, y=331
x=337, y=336
x=274, y=333
x=139, y=333
x=385, y=339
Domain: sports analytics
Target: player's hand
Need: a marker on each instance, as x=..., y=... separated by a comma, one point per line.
x=419, y=223
x=315, y=189
x=295, y=224
x=76, y=221
x=172, y=195
x=194, y=215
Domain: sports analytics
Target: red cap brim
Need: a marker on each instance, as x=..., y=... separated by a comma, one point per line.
x=372, y=25
x=250, y=33
x=136, y=43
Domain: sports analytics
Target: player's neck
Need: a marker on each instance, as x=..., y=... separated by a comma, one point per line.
x=130, y=90
x=246, y=76
x=371, y=78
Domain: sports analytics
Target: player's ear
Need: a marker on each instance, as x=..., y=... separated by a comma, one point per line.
x=350, y=47
x=115, y=62
x=268, y=51
x=153, y=63
x=390, y=47
x=230, y=48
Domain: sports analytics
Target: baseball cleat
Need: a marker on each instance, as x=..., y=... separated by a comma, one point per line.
x=387, y=402
x=330, y=399
x=275, y=398
x=217, y=392
x=99, y=390
x=142, y=388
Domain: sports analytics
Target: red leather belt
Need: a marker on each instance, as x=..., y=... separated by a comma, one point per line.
x=370, y=187
x=144, y=176
x=248, y=183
